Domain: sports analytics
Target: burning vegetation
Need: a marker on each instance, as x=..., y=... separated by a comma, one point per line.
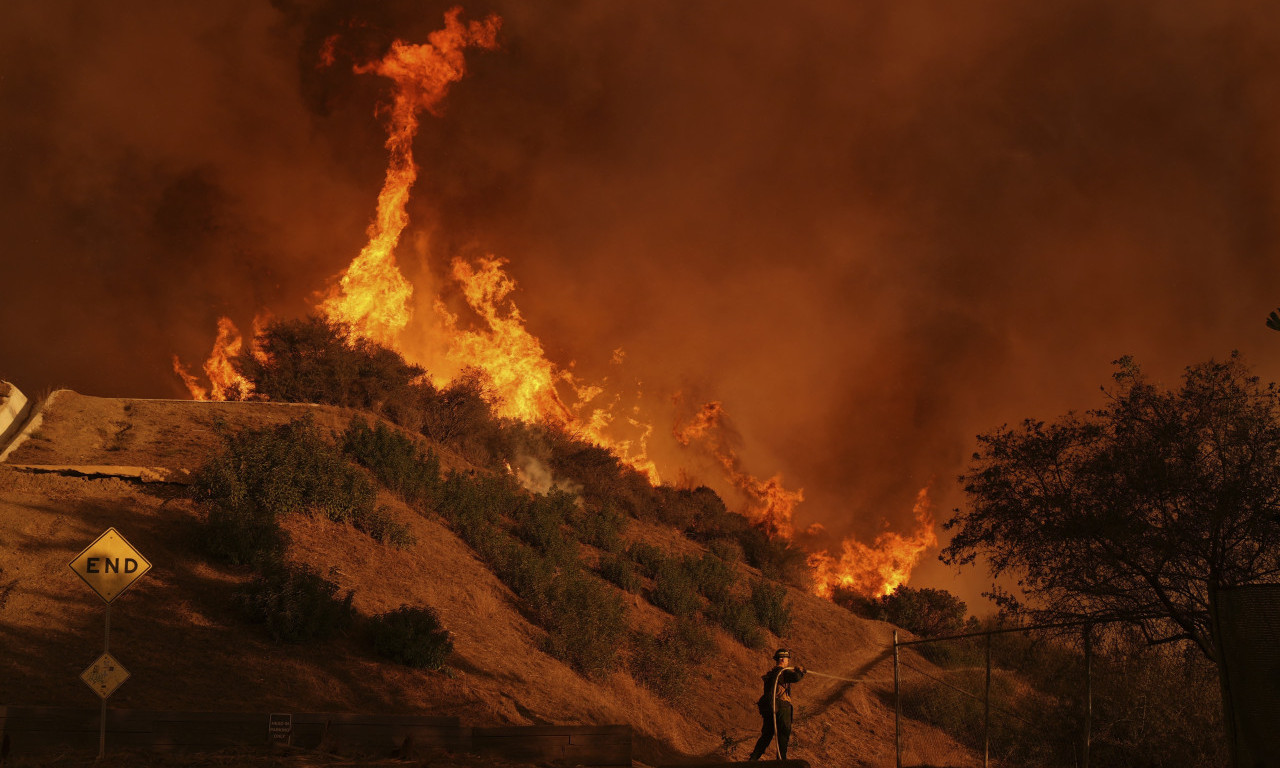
x=490, y=361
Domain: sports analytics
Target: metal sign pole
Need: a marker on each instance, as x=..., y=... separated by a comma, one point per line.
x=102, y=726
x=986, y=712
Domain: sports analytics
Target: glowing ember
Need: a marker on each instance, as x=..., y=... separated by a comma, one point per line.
x=372, y=297
x=877, y=570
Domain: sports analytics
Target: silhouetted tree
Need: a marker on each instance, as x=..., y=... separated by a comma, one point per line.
x=1144, y=507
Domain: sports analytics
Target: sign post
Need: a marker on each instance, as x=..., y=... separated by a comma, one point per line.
x=109, y=565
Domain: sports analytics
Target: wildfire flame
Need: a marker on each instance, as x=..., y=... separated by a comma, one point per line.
x=768, y=501
x=372, y=297
x=879, y=569
x=225, y=382
x=374, y=300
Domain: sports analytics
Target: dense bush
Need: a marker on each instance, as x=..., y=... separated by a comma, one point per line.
x=648, y=557
x=244, y=534
x=385, y=529
x=411, y=636
x=601, y=527
x=283, y=469
x=395, y=460
x=541, y=520
x=771, y=607
x=693, y=638
x=586, y=623
x=777, y=559
x=673, y=589
x=665, y=663
x=296, y=603
x=315, y=361
x=926, y=612
x=738, y=618
x=712, y=576
x=467, y=500
x=621, y=572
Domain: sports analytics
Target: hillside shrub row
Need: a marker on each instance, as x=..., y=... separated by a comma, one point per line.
x=313, y=360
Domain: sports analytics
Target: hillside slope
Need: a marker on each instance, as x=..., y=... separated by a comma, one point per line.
x=187, y=647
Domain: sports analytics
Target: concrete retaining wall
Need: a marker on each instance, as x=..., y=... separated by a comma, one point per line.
x=13, y=412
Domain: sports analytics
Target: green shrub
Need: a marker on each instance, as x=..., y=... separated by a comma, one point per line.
x=663, y=663
x=383, y=528
x=395, y=460
x=728, y=550
x=600, y=527
x=243, y=535
x=315, y=361
x=411, y=636
x=541, y=521
x=673, y=589
x=657, y=666
x=621, y=572
x=713, y=577
x=693, y=638
x=648, y=557
x=283, y=469
x=777, y=559
x=738, y=618
x=471, y=500
x=771, y=607
x=526, y=571
x=297, y=604
x=586, y=623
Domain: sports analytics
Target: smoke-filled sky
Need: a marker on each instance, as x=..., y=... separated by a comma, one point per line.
x=872, y=229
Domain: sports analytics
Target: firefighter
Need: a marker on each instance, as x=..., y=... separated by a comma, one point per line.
x=775, y=704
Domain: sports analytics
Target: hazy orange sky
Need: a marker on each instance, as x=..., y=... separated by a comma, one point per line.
x=871, y=229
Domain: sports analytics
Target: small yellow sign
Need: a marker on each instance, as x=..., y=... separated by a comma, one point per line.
x=105, y=675
x=110, y=565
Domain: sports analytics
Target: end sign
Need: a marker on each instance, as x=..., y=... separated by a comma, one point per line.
x=110, y=565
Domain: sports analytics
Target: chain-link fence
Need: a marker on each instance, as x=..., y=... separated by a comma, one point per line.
x=1055, y=696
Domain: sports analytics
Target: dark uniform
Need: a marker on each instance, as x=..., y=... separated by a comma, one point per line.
x=788, y=675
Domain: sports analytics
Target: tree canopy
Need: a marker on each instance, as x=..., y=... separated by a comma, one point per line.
x=1141, y=508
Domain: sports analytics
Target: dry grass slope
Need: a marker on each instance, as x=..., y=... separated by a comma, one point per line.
x=179, y=634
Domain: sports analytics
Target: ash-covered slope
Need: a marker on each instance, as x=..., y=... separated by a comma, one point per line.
x=187, y=646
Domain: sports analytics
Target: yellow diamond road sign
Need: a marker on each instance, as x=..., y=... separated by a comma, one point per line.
x=110, y=565
x=105, y=675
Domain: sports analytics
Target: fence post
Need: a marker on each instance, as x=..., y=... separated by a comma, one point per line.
x=1088, y=690
x=986, y=711
x=897, y=707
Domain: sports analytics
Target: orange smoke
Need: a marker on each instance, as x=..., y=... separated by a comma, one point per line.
x=225, y=383
x=372, y=297
x=876, y=570
x=768, y=501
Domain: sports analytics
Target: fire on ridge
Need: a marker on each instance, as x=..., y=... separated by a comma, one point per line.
x=374, y=299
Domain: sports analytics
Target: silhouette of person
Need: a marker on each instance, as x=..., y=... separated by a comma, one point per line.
x=775, y=704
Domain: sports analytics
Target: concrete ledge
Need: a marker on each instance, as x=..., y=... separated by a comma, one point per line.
x=14, y=407
x=28, y=427
x=145, y=474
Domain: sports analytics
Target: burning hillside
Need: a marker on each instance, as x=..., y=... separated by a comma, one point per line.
x=377, y=303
